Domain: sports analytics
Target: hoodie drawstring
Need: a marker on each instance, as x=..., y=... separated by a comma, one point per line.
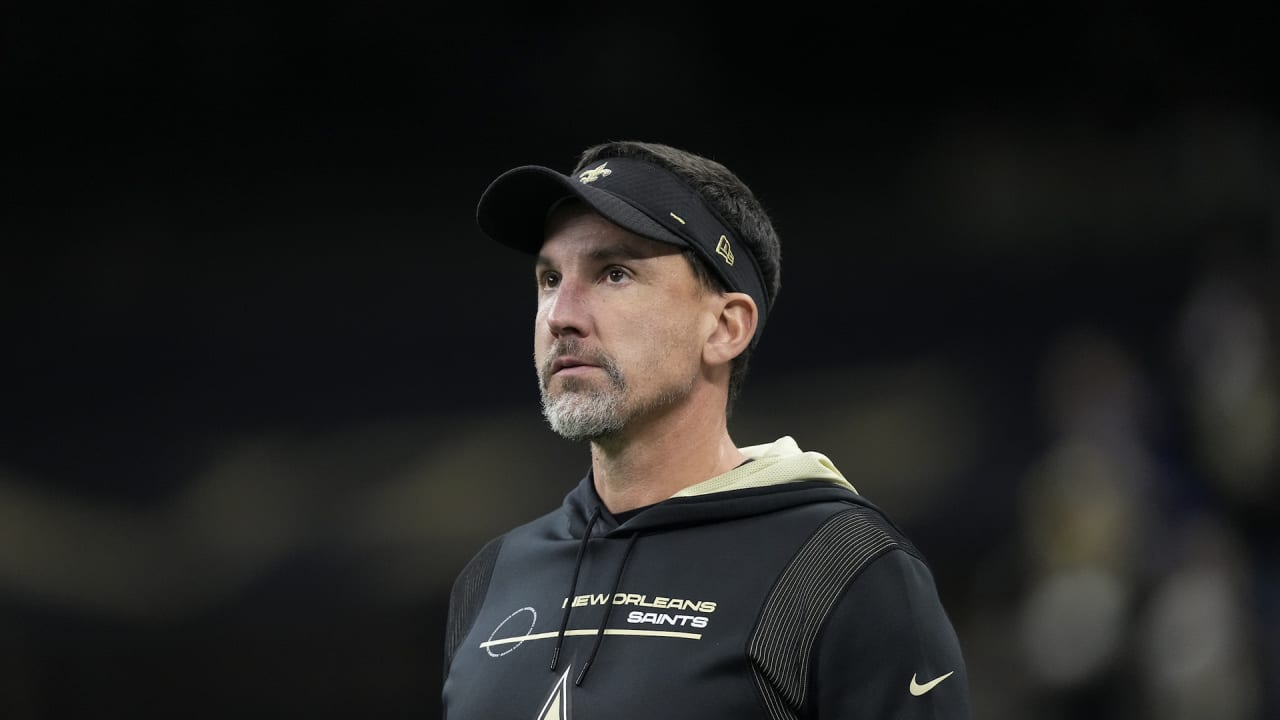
x=573, y=587
x=604, y=623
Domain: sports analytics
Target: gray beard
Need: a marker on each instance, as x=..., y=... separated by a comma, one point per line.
x=586, y=414
x=581, y=412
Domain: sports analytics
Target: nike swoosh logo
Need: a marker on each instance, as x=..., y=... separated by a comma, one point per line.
x=917, y=689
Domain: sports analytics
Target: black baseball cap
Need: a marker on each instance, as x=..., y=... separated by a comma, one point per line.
x=636, y=195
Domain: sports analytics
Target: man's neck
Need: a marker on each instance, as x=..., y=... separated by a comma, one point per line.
x=663, y=456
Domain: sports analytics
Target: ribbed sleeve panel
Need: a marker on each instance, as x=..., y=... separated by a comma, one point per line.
x=782, y=643
x=467, y=596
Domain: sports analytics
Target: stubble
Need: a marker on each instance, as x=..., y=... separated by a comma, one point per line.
x=584, y=409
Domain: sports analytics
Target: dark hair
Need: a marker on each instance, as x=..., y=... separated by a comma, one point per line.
x=728, y=196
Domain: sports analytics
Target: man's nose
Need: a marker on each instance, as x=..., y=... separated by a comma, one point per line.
x=568, y=311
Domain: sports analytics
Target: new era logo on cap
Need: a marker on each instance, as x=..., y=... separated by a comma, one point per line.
x=723, y=250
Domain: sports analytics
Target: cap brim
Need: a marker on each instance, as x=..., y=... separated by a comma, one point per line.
x=513, y=209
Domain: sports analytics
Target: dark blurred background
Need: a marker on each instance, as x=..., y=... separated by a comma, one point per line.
x=266, y=387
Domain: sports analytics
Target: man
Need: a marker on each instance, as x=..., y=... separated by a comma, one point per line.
x=684, y=576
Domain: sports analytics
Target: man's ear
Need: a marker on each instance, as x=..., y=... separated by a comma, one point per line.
x=735, y=326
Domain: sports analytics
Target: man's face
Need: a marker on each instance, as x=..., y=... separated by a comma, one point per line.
x=620, y=324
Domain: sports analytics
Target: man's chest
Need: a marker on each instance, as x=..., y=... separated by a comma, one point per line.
x=655, y=627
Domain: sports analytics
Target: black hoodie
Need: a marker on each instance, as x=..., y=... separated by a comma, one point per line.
x=773, y=591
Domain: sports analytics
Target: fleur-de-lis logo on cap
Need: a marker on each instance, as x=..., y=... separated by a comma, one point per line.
x=594, y=174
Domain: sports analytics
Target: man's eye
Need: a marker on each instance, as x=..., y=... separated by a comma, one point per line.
x=549, y=280
x=617, y=275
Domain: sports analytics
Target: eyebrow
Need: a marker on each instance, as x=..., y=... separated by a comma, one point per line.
x=617, y=251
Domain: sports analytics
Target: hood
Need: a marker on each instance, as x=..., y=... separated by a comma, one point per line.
x=778, y=474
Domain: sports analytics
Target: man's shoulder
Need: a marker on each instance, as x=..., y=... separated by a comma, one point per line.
x=854, y=514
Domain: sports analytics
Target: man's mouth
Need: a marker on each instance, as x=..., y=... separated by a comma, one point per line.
x=568, y=364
